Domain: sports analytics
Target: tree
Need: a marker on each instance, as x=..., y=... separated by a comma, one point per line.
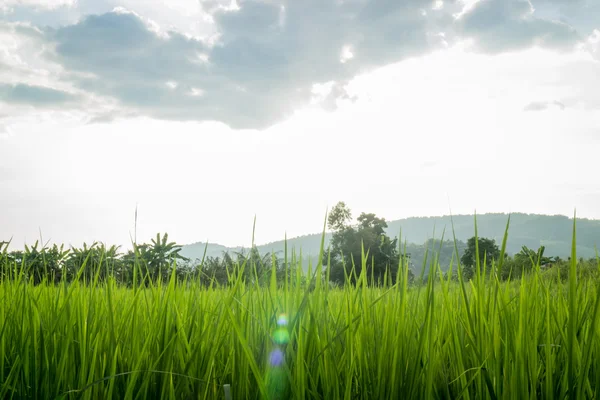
x=488, y=250
x=258, y=266
x=40, y=264
x=159, y=256
x=524, y=261
x=96, y=260
x=339, y=217
x=214, y=270
x=348, y=241
x=532, y=257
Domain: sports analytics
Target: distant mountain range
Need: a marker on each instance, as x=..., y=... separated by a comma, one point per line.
x=531, y=230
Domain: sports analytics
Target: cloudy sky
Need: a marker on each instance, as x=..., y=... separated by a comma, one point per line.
x=206, y=113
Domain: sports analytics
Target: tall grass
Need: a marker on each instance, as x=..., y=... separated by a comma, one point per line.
x=481, y=339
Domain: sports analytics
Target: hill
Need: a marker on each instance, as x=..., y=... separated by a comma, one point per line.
x=531, y=230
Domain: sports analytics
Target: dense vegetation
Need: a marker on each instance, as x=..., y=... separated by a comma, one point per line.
x=91, y=323
x=531, y=230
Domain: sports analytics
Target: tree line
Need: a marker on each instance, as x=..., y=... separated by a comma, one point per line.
x=147, y=263
x=354, y=247
x=365, y=245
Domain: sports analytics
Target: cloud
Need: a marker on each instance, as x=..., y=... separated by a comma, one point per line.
x=165, y=77
x=329, y=94
x=504, y=25
x=23, y=56
x=584, y=14
x=36, y=4
x=409, y=107
x=268, y=54
x=48, y=4
x=263, y=68
x=593, y=44
x=33, y=95
x=543, y=105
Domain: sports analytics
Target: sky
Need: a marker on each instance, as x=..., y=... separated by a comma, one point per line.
x=205, y=114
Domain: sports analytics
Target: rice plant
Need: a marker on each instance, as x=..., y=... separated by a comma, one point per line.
x=534, y=337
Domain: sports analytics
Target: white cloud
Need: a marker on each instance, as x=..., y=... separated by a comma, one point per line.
x=346, y=54
x=37, y=4
x=543, y=105
x=262, y=59
x=30, y=80
x=420, y=132
x=22, y=56
x=593, y=43
x=196, y=92
x=421, y=108
x=467, y=5
x=498, y=26
x=184, y=16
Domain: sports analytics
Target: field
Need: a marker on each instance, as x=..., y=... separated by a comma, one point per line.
x=537, y=337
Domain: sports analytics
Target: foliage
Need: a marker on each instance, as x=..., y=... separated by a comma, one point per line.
x=38, y=263
x=524, y=262
x=158, y=256
x=536, y=337
x=361, y=246
x=531, y=230
x=488, y=252
x=147, y=263
x=94, y=262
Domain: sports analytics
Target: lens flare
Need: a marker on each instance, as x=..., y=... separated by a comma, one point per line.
x=282, y=320
x=276, y=357
x=276, y=378
x=281, y=336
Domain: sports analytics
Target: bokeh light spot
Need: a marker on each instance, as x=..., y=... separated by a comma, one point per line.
x=276, y=357
x=282, y=320
x=281, y=336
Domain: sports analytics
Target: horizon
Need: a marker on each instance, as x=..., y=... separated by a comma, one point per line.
x=50, y=242
x=394, y=220
x=207, y=113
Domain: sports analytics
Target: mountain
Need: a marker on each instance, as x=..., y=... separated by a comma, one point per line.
x=309, y=244
x=531, y=230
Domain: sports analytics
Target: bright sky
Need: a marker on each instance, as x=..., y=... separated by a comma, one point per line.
x=207, y=113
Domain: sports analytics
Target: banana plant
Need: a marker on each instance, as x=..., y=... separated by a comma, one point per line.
x=96, y=260
x=41, y=264
x=159, y=256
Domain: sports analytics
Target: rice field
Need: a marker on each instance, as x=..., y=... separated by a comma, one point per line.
x=537, y=337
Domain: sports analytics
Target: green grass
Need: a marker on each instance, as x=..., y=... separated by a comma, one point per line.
x=537, y=337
